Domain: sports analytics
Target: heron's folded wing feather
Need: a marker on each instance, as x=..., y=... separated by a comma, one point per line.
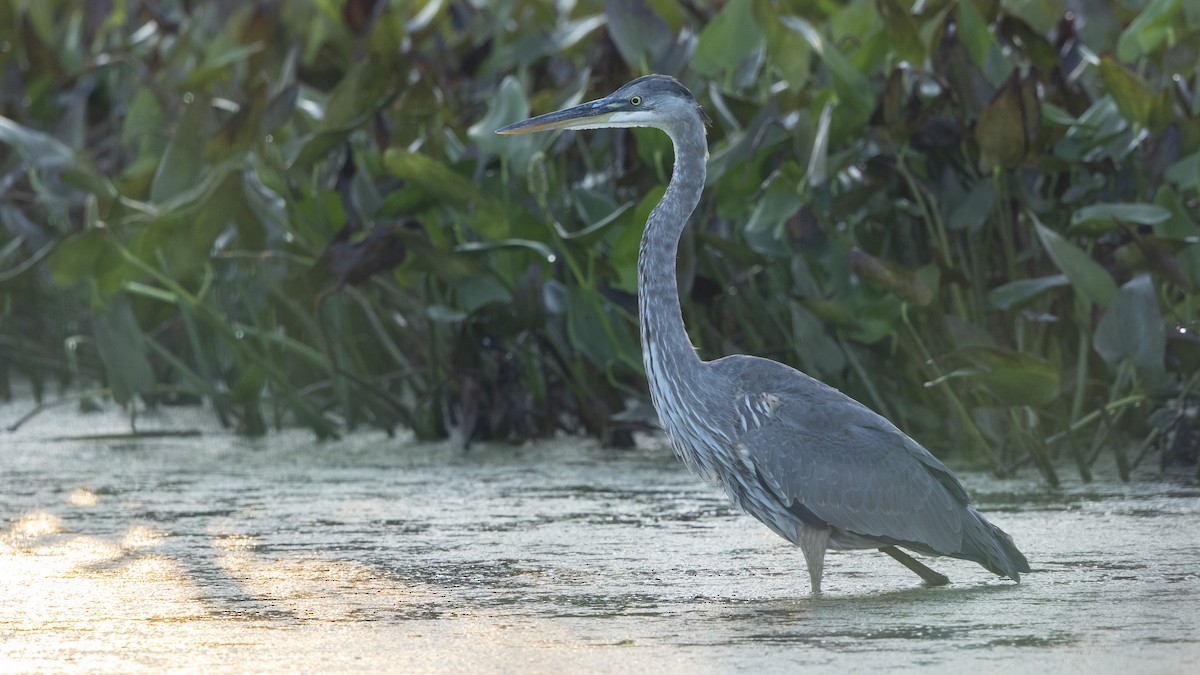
x=851, y=467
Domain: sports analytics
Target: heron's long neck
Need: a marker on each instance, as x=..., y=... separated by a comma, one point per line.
x=672, y=366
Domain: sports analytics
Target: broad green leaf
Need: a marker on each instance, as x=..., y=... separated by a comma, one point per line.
x=1097, y=219
x=39, y=149
x=447, y=187
x=625, y=240
x=1101, y=133
x=243, y=130
x=1012, y=378
x=1056, y=115
x=1145, y=33
x=248, y=387
x=901, y=282
x=792, y=58
x=364, y=89
x=507, y=106
x=1186, y=172
x=184, y=233
x=812, y=341
x=1087, y=277
x=316, y=147
x=592, y=205
x=575, y=31
x=193, y=196
x=763, y=230
x=975, y=208
x=730, y=38
x=1019, y=31
x=122, y=347
x=220, y=59
x=46, y=152
x=584, y=318
x=182, y=164
x=641, y=35
x=423, y=17
x=1181, y=224
x=280, y=108
x=477, y=292
x=902, y=33
x=1128, y=91
x=600, y=222
x=973, y=32
x=1001, y=129
x=1133, y=328
x=1018, y=292
x=745, y=145
x=87, y=257
x=851, y=86
x=832, y=312
x=1041, y=15
x=1161, y=256
x=357, y=96
x=144, y=114
x=875, y=320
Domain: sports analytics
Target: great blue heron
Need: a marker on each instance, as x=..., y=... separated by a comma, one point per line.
x=819, y=468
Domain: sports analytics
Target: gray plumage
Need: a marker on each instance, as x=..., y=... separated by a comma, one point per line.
x=814, y=465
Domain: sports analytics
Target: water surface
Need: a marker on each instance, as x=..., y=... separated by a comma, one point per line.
x=372, y=554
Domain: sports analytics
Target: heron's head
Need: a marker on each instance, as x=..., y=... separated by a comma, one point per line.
x=651, y=101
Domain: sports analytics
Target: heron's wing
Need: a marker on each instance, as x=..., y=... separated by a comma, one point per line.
x=821, y=451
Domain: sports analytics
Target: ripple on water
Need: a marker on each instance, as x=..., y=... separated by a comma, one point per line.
x=187, y=550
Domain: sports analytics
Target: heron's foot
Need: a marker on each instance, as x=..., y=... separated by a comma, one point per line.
x=931, y=577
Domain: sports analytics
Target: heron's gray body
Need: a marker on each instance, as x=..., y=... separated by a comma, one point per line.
x=814, y=465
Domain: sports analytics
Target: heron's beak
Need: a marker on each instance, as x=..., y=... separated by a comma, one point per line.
x=583, y=116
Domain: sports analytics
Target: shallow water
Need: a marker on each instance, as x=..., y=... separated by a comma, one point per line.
x=223, y=554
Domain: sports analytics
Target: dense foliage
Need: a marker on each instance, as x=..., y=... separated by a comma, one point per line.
x=978, y=217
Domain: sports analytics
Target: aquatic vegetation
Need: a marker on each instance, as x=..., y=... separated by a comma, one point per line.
x=977, y=217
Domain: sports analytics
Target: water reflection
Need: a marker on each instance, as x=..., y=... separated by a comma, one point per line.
x=363, y=555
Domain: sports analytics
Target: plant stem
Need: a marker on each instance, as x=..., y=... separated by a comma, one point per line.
x=955, y=402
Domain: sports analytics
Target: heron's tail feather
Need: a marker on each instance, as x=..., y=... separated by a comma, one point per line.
x=991, y=547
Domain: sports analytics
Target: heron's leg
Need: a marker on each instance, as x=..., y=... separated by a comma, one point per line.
x=931, y=577
x=814, y=541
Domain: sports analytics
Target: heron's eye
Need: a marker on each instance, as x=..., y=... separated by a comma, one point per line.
x=635, y=100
